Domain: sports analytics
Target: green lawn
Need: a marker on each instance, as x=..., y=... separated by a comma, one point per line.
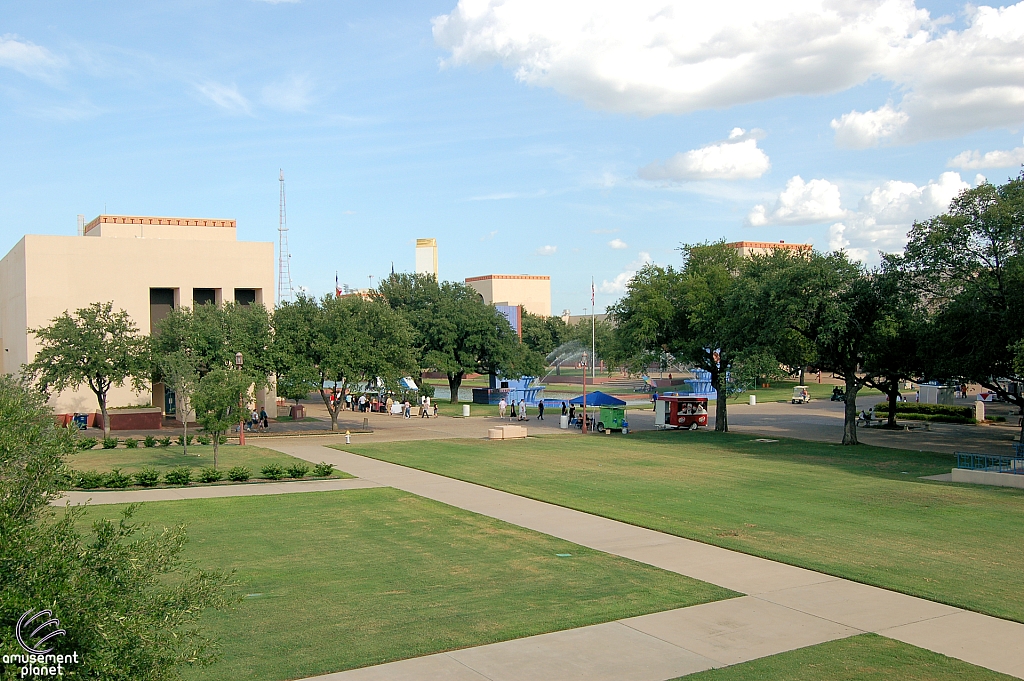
x=336, y=580
x=859, y=658
x=165, y=458
x=782, y=391
x=855, y=512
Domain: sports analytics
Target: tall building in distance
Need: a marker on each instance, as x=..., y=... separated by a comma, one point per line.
x=745, y=249
x=426, y=257
x=532, y=292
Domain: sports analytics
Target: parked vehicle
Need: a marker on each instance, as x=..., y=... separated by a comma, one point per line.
x=838, y=395
x=800, y=395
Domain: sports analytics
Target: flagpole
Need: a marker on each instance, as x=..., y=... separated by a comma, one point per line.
x=593, y=331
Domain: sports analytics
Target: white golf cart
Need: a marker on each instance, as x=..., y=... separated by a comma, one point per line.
x=800, y=395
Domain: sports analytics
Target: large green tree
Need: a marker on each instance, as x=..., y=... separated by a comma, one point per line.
x=686, y=312
x=968, y=265
x=455, y=332
x=212, y=334
x=96, y=346
x=335, y=342
x=129, y=603
x=831, y=302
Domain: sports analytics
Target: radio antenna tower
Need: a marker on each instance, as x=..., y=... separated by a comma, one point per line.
x=284, y=268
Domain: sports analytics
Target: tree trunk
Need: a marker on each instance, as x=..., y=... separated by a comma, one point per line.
x=216, y=448
x=802, y=368
x=184, y=435
x=894, y=391
x=850, y=422
x=332, y=411
x=454, y=382
x=721, y=414
x=104, y=415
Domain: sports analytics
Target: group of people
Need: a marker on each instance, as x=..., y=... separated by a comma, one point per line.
x=258, y=421
x=518, y=410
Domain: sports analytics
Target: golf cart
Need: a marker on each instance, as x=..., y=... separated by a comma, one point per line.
x=800, y=395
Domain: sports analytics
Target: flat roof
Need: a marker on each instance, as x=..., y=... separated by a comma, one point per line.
x=770, y=244
x=158, y=220
x=541, y=277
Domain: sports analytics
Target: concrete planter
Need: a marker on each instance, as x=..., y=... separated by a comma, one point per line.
x=143, y=418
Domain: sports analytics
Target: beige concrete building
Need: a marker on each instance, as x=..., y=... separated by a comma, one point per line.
x=531, y=291
x=144, y=265
x=749, y=248
x=426, y=256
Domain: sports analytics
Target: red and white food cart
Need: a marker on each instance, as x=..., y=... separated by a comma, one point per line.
x=679, y=411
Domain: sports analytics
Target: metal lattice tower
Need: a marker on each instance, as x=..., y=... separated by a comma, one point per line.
x=284, y=268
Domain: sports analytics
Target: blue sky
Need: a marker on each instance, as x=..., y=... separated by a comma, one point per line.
x=525, y=139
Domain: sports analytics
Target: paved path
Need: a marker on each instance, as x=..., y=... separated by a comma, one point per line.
x=785, y=607
x=211, y=491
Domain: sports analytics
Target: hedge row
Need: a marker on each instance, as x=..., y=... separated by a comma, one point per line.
x=934, y=409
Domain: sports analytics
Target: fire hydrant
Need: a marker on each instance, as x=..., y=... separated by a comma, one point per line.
x=348, y=438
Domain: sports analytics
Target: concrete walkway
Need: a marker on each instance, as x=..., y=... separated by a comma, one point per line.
x=210, y=491
x=785, y=607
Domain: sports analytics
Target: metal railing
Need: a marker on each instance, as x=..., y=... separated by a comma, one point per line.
x=987, y=462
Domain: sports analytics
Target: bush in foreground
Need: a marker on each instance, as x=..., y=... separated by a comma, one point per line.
x=272, y=471
x=182, y=475
x=147, y=477
x=323, y=469
x=297, y=470
x=239, y=474
x=209, y=474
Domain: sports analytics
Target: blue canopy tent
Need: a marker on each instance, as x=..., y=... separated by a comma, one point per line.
x=599, y=399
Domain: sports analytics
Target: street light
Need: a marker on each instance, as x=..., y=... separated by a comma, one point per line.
x=241, y=411
x=583, y=365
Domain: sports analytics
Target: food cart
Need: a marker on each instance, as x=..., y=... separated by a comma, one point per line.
x=680, y=411
x=611, y=418
x=800, y=395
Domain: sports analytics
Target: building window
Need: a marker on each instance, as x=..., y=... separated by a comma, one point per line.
x=202, y=296
x=161, y=302
x=245, y=296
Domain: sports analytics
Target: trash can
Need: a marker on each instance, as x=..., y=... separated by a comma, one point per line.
x=298, y=412
x=82, y=421
x=465, y=410
x=753, y=400
x=563, y=422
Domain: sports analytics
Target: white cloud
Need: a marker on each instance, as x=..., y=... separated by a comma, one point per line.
x=225, y=96
x=738, y=157
x=800, y=203
x=672, y=56
x=617, y=286
x=490, y=235
x=618, y=244
x=856, y=130
x=292, y=94
x=546, y=250
x=28, y=58
x=973, y=160
x=884, y=216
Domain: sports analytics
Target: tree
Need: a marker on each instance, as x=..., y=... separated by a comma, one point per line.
x=830, y=301
x=219, y=402
x=455, y=332
x=211, y=335
x=96, y=347
x=179, y=371
x=129, y=603
x=543, y=334
x=968, y=265
x=685, y=312
x=335, y=342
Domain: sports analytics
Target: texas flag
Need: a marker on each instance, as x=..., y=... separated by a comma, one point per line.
x=337, y=288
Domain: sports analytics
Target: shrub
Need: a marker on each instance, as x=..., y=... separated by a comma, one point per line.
x=131, y=443
x=223, y=440
x=933, y=409
x=272, y=471
x=297, y=470
x=182, y=475
x=147, y=477
x=182, y=440
x=109, y=442
x=165, y=442
x=91, y=479
x=117, y=479
x=209, y=474
x=239, y=474
x=86, y=443
x=149, y=441
x=323, y=469
x=203, y=439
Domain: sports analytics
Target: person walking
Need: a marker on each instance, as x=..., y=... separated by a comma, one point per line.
x=264, y=419
x=407, y=408
x=522, y=409
x=540, y=410
x=572, y=413
x=565, y=409
x=502, y=406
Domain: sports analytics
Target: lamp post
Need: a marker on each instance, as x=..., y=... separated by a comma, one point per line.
x=583, y=365
x=241, y=411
